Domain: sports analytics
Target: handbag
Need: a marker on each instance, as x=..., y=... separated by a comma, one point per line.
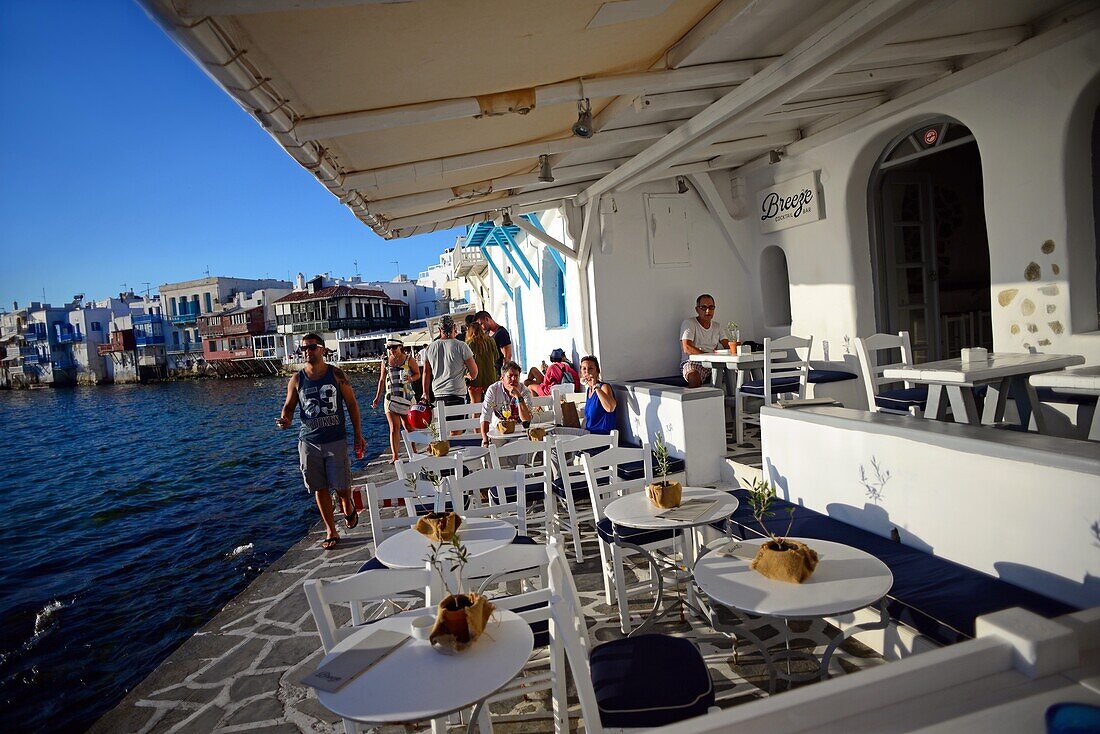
x=569, y=416
x=399, y=404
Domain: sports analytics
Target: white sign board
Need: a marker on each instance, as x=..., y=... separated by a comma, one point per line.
x=789, y=204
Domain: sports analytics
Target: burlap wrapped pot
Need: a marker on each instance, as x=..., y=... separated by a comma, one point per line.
x=794, y=562
x=506, y=426
x=439, y=448
x=665, y=495
x=440, y=527
x=535, y=433
x=460, y=620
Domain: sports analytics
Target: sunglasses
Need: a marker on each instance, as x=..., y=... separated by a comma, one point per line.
x=705, y=308
x=311, y=347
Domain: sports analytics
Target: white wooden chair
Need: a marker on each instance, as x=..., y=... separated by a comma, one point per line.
x=500, y=487
x=782, y=376
x=383, y=527
x=415, y=442
x=604, y=485
x=424, y=469
x=533, y=458
x=873, y=360
x=645, y=681
x=570, y=486
x=462, y=420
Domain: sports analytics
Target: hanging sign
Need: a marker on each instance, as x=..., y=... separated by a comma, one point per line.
x=789, y=204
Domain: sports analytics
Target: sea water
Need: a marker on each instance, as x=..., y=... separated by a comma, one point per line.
x=129, y=516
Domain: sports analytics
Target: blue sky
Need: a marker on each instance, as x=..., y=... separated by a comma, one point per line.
x=125, y=164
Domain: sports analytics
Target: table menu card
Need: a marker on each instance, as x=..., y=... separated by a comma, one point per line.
x=342, y=669
x=690, y=510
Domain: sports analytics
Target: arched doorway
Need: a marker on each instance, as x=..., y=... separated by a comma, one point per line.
x=930, y=248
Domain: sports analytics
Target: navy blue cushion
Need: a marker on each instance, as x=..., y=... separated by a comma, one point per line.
x=464, y=441
x=580, y=487
x=1050, y=395
x=635, y=470
x=936, y=596
x=779, y=385
x=650, y=680
x=823, y=376
x=372, y=565
x=541, y=630
x=632, y=535
x=903, y=398
x=524, y=540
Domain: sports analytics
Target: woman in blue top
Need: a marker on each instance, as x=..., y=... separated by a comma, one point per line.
x=599, y=408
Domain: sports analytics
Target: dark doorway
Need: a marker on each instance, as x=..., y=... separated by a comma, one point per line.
x=931, y=249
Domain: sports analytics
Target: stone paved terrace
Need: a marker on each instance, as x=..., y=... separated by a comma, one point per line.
x=241, y=671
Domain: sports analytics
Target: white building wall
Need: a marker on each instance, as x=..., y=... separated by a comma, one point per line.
x=1032, y=123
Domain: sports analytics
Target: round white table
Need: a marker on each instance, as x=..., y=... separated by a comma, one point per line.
x=415, y=683
x=846, y=579
x=519, y=432
x=636, y=511
x=410, y=549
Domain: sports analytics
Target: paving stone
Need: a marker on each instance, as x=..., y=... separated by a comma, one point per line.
x=290, y=609
x=263, y=709
x=285, y=728
x=312, y=708
x=205, y=721
x=271, y=630
x=253, y=685
x=290, y=652
x=188, y=694
x=235, y=662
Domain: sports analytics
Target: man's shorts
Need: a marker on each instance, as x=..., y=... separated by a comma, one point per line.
x=325, y=465
x=453, y=399
x=698, y=368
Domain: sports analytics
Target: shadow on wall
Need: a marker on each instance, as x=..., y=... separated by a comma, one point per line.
x=1085, y=594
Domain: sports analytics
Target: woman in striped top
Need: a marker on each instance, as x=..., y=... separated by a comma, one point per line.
x=399, y=372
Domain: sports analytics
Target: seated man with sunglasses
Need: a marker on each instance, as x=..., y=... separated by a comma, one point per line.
x=320, y=391
x=700, y=335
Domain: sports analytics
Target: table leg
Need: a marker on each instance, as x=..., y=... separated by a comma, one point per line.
x=1094, y=430
x=1027, y=403
x=995, y=398
x=962, y=404
x=934, y=405
x=882, y=623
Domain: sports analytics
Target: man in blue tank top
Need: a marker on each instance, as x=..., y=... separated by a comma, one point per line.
x=320, y=392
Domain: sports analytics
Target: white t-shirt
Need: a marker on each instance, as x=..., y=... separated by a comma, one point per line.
x=496, y=397
x=705, y=339
x=448, y=360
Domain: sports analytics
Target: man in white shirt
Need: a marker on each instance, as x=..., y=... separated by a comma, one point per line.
x=700, y=335
x=508, y=394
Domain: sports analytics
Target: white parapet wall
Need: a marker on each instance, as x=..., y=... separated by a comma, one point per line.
x=1018, y=506
x=691, y=421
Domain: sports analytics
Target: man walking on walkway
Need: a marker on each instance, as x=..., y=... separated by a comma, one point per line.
x=320, y=391
x=446, y=362
x=500, y=335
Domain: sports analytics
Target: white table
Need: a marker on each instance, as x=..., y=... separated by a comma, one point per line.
x=1001, y=372
x=739, y=363
x=414, y=682
x=636, y=511
x=520, y=432
x=846, y=579
x=1080, y=381
x=410, y=549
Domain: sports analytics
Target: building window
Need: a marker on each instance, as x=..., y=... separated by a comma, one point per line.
x=96, y=326
x=172, y=303
x=775, y=283
x=553, y=290
x=209, y=306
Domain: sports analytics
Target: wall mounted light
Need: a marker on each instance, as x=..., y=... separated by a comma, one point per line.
x=681, y=185
x=506, y=220
x=545, y=174
x=774, y=156
x=582, y=128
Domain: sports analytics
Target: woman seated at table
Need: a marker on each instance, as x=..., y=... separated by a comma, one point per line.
x=507, y=399
x=559, y=372
x=599, y=407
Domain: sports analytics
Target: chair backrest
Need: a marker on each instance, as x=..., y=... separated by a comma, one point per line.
x=533, y=457
x=463, y=419
x=546, y=402
x=423, y=469
x=499, y=486
x=794, y=364
x=872, y=362
x=487, y=570
x=602, y=474
x=568, y=450
x=382, y=527
x=362, y=587
x=415, y=441
x=568, y=631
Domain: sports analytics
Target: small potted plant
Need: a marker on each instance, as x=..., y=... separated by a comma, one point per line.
x=663, y=493
x=461, y=617
x=735, y=336
x=779, y=557
x=437, y=447
x=536, y=432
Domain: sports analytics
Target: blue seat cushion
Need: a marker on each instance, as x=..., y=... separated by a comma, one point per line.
x=903, y=398
x=634, y=469
x=1050, y=395
x=580, y=487
x=372, y=565
x=779, y=385
x=935, y=596
x=524, y=540
x=464, y=441
x=822, y=376
x=632, y=535
x=650, y=680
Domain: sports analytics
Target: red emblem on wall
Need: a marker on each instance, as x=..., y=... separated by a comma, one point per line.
x=930, y=136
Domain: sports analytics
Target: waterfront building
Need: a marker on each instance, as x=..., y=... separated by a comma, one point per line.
x=423, y=300
x=12, y=325
x=184, y=302
x=352, y=320
x=822, y=169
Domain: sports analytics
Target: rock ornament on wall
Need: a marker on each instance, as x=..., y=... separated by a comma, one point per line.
x=1033, y=306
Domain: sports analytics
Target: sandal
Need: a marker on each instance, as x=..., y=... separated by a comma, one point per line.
x=330, y=542
x=352, y=520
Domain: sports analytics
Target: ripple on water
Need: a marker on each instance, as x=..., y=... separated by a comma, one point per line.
x=130, y=516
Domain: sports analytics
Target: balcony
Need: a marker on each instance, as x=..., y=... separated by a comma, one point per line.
x=469, y=261
x=31, y=358
x=32, y=335
x=374, y=323
x=70, y=338
x=121, y=341
x=186, y=347
x=149, y=340
x=184, y=318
